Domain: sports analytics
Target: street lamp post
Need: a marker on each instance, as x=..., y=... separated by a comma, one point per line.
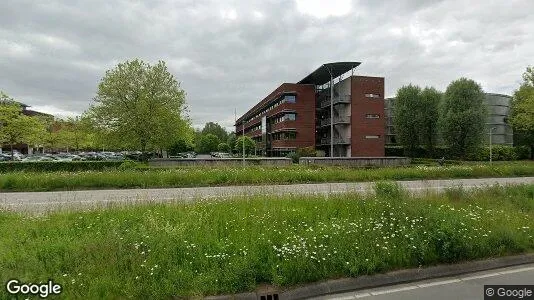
x=490, y=143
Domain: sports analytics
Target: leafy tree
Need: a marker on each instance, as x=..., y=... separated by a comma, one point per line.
x=250, y=145
x=180, y=146
x=224, y=147
x=522, y=113
x=216, y=130
x=407, y=117
x=208, y=143
x=429, y=116
x=17, y=128
x=463, y=116
x=232, y=139
x=140, y=106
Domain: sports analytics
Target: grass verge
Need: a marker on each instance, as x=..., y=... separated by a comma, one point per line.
x=210, y=176
x=160, y=251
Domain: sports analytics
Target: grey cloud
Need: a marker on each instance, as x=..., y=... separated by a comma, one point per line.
x=229, y=55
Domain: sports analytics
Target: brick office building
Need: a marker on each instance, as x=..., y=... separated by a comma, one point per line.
x=297, y=115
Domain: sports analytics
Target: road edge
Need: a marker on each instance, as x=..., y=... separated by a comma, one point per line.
x=342, y=285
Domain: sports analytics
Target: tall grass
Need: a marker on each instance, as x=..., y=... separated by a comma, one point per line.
x=213, y=247
x=210, y=176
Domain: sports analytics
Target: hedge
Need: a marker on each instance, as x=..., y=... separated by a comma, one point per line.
x=54, y=166
x=438, y=152
x=499, y=152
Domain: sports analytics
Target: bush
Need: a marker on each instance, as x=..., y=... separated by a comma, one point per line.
x=56, y=166
x=130, y=164
x=499, y=152
x=522, y=152
x=421, y=152
x=394, y=151
x=307, y=152
x=294, y=157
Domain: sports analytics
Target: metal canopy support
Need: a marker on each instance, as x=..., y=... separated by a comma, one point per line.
x=331, y=112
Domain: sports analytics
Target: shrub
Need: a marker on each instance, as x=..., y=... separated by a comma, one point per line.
x=394, y=151
x=421, y=152
x=388, y=190
x=522, y=152
x=307, y=152
x=129, y=165
x=499, y=152
x=55, y=166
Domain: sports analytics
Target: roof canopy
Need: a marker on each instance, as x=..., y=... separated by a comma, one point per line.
x=322, y=74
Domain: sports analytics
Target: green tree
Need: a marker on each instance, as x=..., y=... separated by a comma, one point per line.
x=429, y=117
x=216, y=130
x=17, y=128
x=208, y=143
x=232, y=139
x=224, y=147
x=522, y=112
x=250, y=145
x=140, y=106
x=463, y=116
x=180, y=146
x=407, y=117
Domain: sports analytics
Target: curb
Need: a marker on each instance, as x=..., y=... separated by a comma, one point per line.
x=371, y=281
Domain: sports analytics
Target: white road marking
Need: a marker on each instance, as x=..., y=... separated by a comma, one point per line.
x=479, y=276
x=406, y=288
x=443, y=282
x=516, y=270
x=431, y=284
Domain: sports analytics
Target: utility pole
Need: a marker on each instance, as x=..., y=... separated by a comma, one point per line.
x=490, y=143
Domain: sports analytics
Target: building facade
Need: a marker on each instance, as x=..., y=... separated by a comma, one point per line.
x=498, y=109
x=304, y=114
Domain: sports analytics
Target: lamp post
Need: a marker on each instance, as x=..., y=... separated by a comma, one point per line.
x=490, y=143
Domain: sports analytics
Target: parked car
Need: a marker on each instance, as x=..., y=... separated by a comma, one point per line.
x=5, y=157
x=67, y=157
x=39, y=157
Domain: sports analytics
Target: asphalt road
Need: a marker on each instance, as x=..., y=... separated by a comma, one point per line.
x=47, y=201
x=467, y=286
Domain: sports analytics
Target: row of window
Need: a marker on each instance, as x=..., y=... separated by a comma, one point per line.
x=286, y=117
x=293, y=117
x=284, y=136
x=325, y=136
x=284, y=99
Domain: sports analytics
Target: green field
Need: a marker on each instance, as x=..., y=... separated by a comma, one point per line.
x=159, y=251
x=213, y=176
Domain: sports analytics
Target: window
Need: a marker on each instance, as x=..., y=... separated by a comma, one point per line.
x=372, y=116
x=372, y=136
x=290, y=117
x=284, y=136
x=286, y=117
x=290, y=99
x=372, y=95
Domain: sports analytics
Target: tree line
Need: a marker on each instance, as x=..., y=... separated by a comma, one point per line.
x=214, y=138
x=457, y=117
x=138, y=106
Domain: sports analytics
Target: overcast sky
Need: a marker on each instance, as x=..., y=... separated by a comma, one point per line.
x=230, y=54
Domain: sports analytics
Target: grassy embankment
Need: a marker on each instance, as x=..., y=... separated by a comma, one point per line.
x=158, y=251
x=210, y=176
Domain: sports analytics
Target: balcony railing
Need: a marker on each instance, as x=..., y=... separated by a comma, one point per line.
x=339, y=99
x=337, y=120
x=337, y=141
